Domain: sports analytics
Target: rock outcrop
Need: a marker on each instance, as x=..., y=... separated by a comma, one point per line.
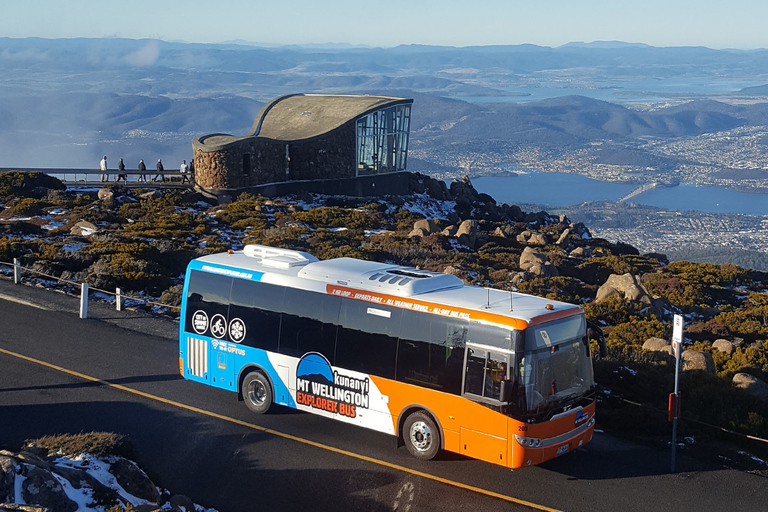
x=625, y=286
x=657, y=345
x=51, y=482
x=696, y=360
x=751, y=385
x=724, y=346
x=537, y=263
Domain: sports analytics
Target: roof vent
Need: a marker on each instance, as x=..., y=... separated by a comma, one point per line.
x=278, y=258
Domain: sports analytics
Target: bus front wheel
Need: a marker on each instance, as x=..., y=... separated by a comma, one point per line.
x=421, y=436
x=257, y=392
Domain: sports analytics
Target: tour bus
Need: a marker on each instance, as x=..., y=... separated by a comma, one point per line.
x=498, y=376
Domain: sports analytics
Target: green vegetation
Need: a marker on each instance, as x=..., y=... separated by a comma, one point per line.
x=97, y=443
x=144, y=242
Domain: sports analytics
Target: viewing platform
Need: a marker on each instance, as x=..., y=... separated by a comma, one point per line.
x=134, y=178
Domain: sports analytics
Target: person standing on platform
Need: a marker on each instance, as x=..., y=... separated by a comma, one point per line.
x=160, y=170
x=184, y=170
x=103, y=165
x=121, y=172
x=142, y=170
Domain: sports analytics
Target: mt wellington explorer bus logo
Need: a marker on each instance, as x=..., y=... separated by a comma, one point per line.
x=321, y=387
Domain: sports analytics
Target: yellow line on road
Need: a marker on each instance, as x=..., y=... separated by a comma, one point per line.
x=282, y=434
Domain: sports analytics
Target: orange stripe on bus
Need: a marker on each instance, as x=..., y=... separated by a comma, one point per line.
x=430, y=307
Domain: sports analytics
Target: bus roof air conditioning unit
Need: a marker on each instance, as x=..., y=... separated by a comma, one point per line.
x=278, y=258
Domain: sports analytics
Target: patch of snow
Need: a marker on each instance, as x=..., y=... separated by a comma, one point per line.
x=374, y=232
x=53, y=225
x=335, y=230
x=754, y=458
x=18, y=486
x=73, y=247
x=629, y=370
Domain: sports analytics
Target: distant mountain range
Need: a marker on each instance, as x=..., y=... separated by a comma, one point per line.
x=67, y=102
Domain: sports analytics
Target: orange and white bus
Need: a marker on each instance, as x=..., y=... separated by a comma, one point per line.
x=498, y=376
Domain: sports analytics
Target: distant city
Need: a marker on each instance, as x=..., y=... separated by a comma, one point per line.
x=621, y=114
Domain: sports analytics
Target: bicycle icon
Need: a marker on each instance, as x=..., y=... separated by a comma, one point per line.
x=218, y=326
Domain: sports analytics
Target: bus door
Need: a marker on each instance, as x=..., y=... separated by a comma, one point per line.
x=221, y=359
x=486, y=380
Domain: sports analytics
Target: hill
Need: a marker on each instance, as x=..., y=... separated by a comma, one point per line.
x=141, y=242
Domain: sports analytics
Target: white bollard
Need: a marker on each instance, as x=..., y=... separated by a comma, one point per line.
x=16, y=271
x=84, y=300
x=118, y=299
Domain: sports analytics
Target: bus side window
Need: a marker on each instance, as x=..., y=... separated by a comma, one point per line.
x=475, y=371
x=427, y=354
x=258, y=306
x=309, y=323
x=367, y=338
x=209, y=293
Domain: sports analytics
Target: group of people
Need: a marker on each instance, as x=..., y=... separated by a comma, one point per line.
x=185, y=169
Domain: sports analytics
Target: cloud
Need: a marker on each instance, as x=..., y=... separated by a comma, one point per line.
x=145, y=56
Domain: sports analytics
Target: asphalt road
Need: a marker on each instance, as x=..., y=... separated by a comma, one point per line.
x=201, y=442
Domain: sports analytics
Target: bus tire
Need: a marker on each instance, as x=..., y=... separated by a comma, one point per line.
x=257, y=392
x=421, y=435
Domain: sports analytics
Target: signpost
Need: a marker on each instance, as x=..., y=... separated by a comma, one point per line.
x=674, y=398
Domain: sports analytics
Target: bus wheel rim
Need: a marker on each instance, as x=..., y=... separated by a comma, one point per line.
x=257, y=393
x=421, y=436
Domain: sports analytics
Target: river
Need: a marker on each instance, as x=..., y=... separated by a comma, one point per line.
x=561, y=189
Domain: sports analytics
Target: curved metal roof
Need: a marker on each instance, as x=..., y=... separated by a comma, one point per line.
x=299, y=117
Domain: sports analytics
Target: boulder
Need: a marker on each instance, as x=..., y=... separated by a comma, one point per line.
x=40, y=487
x=7, y=479
x=696, y=360
x=563, y=236
x=626, y=286
x=531, y=257
x=450, y=230
x=83, y=228
x=724, y=346
x=657, y=345
x=581, y=252
x=430, y=226
x=537, y=263
x=467, y=233
x=580, y=230
x=134, y=480
x=545, y=270
x=751, y=385
x=180, y=503
x=418, y=232
x=499, y=233
x=105, y=194
x=538, y=239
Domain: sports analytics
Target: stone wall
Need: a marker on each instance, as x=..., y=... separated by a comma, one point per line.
x=331, y=156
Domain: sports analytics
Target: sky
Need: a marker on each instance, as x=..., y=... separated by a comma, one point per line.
x=712, y=23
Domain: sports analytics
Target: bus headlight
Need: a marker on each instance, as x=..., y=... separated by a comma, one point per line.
x=528, y=442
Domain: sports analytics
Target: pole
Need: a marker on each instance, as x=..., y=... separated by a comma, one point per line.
x=84, y=300
x=677, y=348
x=118, y=299
x=16, y=271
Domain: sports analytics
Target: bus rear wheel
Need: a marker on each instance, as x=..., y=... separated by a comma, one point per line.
x=257, y=392
x=421, y=436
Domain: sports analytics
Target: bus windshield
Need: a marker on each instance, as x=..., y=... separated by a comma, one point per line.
x=556, y=365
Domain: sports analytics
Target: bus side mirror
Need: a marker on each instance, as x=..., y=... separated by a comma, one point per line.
x=505, y=391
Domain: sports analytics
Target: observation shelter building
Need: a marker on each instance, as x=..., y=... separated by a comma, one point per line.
x=301, y=137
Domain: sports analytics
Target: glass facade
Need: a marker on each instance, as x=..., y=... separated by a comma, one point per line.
x=382, y=140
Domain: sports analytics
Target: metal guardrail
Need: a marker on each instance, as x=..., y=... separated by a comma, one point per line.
x=120, y=298
x=134, y=178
